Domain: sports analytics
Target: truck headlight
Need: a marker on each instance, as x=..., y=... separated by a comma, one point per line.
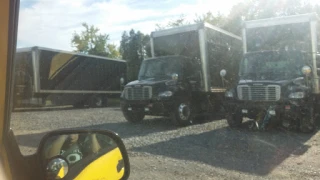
x=166, y=94
x=229, y=94
x=297, y=95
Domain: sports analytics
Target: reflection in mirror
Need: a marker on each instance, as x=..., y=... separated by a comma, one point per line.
x=57, y=168
x=89, y=155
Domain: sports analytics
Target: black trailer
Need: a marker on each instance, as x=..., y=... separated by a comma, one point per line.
x=187, y=74
x=44, y=75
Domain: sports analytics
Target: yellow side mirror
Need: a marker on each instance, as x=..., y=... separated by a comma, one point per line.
x=84, y=154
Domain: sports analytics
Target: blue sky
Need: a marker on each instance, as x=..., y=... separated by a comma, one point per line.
x=51, y=23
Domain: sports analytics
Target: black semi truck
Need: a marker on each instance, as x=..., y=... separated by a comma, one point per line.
x=279, y=74
x=186, y=75
x=44, y=75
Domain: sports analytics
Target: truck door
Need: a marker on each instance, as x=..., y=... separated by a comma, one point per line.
x=193, y=75
x=318, y=64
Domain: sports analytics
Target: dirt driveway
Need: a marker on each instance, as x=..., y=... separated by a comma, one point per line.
x=207, y=150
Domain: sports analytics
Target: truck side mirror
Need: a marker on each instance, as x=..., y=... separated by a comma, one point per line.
x=122, y=81
x=83, y=154
x=175, y=76
x=223, y=73
x=306, y=70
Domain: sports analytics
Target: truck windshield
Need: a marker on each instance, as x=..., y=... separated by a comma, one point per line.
x=272, y=66
x=161, y=68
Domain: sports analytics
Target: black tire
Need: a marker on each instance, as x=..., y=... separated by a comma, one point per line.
x=234, y=119
x=133, y=116
x=183, y=114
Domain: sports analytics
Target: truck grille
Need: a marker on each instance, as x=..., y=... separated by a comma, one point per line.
x=259, y=93
x=138, y=93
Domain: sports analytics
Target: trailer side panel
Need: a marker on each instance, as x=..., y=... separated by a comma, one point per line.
x=69, y=72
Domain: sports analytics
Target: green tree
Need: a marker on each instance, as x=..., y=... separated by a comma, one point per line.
x=90, y=41
x=248, y=10
x=216, y=20
x=134, y=48
x=180, y=21
x=113, y=51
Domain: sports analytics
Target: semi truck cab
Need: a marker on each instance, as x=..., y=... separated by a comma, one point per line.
x=278, y=75
x=183, y=80
x=273, y=87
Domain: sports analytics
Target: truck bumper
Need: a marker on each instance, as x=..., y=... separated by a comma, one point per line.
x=283, y=109
x=150, y=107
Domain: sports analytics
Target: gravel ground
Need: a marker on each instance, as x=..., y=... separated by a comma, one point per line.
x=207, y=150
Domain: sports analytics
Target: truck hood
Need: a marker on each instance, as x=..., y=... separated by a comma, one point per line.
x=281, y=82
x=146, y=82
x=157, y=85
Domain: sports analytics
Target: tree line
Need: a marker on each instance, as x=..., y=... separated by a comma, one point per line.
x=135, y=46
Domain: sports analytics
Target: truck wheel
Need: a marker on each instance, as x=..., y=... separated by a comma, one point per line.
x=234, y=119
x=133, y=116
x=183, y=115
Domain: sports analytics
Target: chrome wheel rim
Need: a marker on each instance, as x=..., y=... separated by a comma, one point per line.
x=184, y=112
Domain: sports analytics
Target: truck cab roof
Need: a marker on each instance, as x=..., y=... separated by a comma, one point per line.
x=165, y=57
x=274, y=51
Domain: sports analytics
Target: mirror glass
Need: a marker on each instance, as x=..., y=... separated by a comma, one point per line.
x=57, y=168
x=89, y=155
x=223, y=73
x=306, y=70
x=175, y=76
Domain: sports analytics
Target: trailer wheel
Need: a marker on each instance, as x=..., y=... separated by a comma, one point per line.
x=183, y=115
x=234, y=119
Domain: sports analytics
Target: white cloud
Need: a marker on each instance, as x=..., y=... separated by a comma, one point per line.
x=51, y=23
